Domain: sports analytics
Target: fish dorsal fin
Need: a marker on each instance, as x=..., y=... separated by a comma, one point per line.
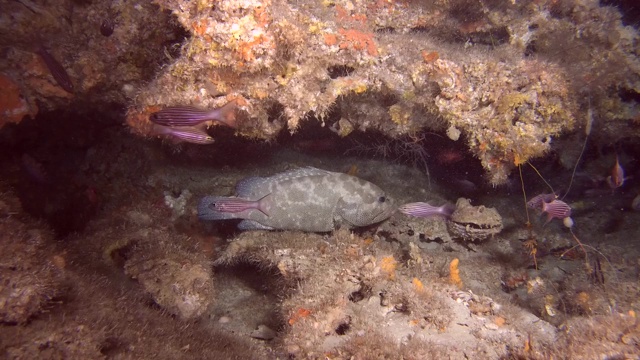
x=248, y=188
x=298, y=173
x=253, y=187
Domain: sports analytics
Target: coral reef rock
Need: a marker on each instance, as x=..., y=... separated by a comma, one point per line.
x=401, y=67
x=178, y=282
x=69, y=341
x=31, y=271
x=506, y=77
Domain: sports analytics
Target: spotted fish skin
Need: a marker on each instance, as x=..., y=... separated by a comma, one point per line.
x=306, y=199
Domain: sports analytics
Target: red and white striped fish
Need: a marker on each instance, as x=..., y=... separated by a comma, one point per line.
x=178, y=134
x=556, y=209
x=426, y=210
x=191, y=116
x=58, y=72
x=537, y=201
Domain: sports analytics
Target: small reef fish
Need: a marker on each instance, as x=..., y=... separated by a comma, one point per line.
x=58, y=72
x=617, y=178
x=191, y=116
x=537, y=201
x=449, y=156
x=306, y=199
x=188, y=134
x=426, y=210
x=556, y=209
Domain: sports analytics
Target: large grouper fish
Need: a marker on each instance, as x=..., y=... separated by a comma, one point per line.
x=306, y=199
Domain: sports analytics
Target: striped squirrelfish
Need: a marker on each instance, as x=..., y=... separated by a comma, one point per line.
x=556, y=209
x=58, y=72
x=190, y=134
x=191, y=116
x=537, y=201
x=426, y=210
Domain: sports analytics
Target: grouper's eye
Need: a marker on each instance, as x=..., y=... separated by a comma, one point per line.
x=382, y=199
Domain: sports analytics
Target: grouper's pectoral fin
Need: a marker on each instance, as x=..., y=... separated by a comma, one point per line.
x=252, y=225
x=347, y=213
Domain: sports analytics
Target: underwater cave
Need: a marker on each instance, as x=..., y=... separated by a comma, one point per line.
x=309, y=180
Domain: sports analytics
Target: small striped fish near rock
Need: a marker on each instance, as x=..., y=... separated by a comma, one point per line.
x=56, y=69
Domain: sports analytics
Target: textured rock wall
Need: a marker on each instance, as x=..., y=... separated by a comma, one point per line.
x=505, y=77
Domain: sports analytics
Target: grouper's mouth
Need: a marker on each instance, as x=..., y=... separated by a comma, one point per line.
x=384, y=214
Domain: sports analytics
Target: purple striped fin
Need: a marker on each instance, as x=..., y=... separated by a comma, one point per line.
x=58, y=72
x=425, y=210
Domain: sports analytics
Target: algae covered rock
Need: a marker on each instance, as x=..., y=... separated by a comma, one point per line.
x=30, y=273
x=405, y=67
x=71, y=341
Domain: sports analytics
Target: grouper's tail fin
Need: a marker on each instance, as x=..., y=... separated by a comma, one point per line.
x=207, y=209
